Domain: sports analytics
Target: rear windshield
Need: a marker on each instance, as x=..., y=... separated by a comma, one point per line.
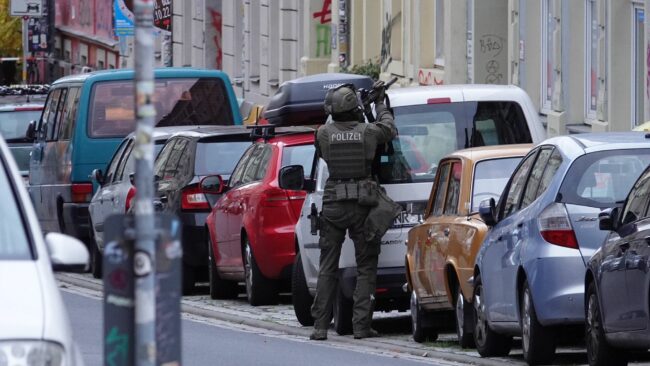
x=13, y=125
x=218, y=157
x=299, y=155
x=428, y=132
x=178, y=102
x=490, y=177
x=604, y=178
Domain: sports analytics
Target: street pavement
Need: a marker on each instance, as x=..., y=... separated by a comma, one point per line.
x=280, y=321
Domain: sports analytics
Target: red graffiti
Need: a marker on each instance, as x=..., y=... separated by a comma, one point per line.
x=216, y=23
x=428, y=78
x=325, y=14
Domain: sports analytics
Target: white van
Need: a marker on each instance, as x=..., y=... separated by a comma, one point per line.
x=432, y=122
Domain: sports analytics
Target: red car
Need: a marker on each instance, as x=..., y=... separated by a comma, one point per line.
x=252, y=224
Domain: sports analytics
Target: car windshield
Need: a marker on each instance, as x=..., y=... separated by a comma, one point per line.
x=299, y=155
x=178, y=102
x=601, y=179
x=490, y=177
x=14, y=244
x=218, y=157
x=13, y=125
x=428, y=132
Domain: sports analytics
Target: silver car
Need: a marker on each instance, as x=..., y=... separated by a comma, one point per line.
x=34, y=325
x=530, y=271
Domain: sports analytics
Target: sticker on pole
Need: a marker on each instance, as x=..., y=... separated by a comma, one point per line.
x=142, y=265
x=31, y=8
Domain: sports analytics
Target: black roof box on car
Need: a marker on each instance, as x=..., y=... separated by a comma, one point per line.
x=300, y=101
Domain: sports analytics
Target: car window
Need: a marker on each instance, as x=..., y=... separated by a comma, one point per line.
x=604, y=178
x=60, y=112
x=453, y=190
x=497, y=123
x=14, y=242
x=14, y=123
x=125, y=158
x=70, y=115
x=637, y=200
x=229, y=153
x=299, y=155
x=530, y=194
x=178, y=102
x=253, y=165
x=490, y=177
x=176, y=161
x=238, y=172
x=112, y=166
x=47, y=126
x=129, y=167
x=554, y=162
x=263, y=167
x=161, y=160
x=517, y=185
x=441, y=188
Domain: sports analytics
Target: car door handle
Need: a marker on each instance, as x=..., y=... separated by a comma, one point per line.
x=520, y=225
x=624, y=247
x=163, y=199
x=446, y=231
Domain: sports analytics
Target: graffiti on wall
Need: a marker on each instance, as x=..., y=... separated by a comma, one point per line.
x=490, y=46
x=386, y=34
x=427, y=77
x=217, y=22
x=322, y=19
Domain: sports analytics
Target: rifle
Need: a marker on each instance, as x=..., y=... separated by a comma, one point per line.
x=369, y=96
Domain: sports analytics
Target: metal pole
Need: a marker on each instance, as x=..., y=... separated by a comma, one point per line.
x=25, y=49
x=144, y=257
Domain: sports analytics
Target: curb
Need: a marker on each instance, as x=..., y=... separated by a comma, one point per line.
x=306, y=331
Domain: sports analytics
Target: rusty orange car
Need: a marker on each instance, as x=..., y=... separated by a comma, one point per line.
x=441, y=250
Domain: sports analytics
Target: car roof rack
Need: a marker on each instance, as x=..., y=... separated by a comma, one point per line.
x=269, y=131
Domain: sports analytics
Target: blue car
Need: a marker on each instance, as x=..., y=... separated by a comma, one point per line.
x=617, y=283
x=529, y=274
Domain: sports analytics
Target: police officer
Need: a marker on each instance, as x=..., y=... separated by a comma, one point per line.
x=348, y=145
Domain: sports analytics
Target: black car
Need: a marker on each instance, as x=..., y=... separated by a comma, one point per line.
x=617, y=285
x=185, y=159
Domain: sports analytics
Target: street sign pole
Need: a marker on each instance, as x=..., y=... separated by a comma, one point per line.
x=25, y=48
x=144, y=256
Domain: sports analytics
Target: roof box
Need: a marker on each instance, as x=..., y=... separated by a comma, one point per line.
x=300, y=101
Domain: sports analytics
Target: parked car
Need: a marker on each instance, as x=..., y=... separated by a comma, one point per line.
x=617, y=281
x=529, y=274
x=185, y=159
x=116, y=191
x=34, y=324
x=252, y=225
x=432, y=122
x=440, y=251
x=86, y=117
x=14, y=121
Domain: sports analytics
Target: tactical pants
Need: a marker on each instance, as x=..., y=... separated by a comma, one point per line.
x=337, y=218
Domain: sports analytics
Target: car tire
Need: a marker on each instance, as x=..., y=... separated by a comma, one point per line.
x=259, y=289
x=219, y=288
x=95, y=257
x=342, y=313
x=537, y=341
x=464, y=321
x=189, y=279
x=420, y=327
x=488, y=343
x=300, y=296
x=599, y=352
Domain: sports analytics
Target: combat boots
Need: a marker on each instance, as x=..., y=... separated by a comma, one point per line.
x=318, y=334
x=370, y=333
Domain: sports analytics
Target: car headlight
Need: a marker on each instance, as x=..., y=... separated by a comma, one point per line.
x=31, y=353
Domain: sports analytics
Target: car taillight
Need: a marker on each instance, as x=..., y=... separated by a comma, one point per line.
x=193, y=199
x=129, y=198
x=555, y=226
x=81, y=192
x=274, y=197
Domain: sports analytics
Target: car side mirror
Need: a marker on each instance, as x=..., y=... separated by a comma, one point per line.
x=97, y=176
x=212, y=184
x=292, y=177
x=608, y=219
x=30, y=134
x=487, y=211
x=67, y=254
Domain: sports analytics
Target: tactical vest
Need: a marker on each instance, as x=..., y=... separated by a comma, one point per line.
x=347, y=152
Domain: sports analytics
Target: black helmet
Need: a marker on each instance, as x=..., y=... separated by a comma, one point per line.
x=342, y=99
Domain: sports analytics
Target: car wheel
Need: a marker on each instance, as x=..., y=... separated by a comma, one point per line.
x=342, y=313
x=488, y=343
x=599, y=353
x=259, y=289
x=537, y=342
x=189, y=279
x=95, y=256
x=300, y=296
x=464, y=321
x=219, y=289
x=420, y=328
